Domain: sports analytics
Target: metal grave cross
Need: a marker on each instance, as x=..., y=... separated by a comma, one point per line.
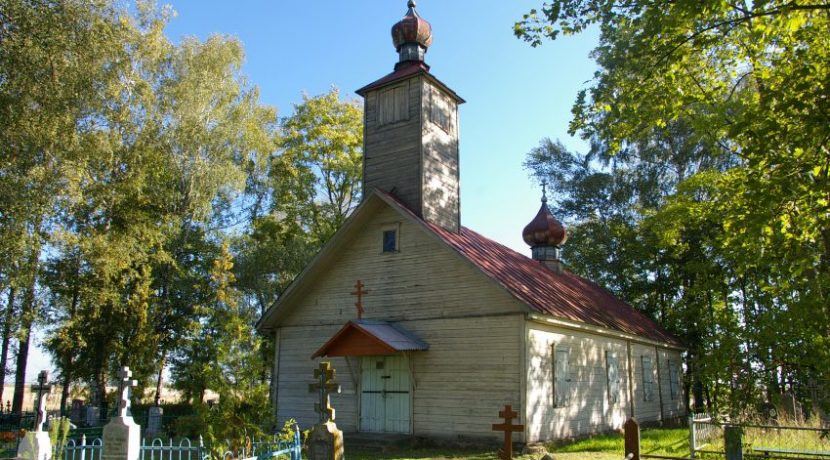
x=41, y=388
x=124, y=385
x=324, y=386
x=359, y=292
x=508, y=414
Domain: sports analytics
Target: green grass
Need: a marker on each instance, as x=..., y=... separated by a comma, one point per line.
x=661, y=441
x=602, y=447
x=444, y=454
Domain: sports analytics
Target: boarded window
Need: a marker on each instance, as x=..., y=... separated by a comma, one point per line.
x=561, y=377
x=440, y=111
x=393, y=105
x=674, y=379
x=648, y=379
x=613, y=370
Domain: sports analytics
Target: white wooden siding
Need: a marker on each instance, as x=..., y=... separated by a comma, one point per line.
x=671, y=407
x=589, y=409
x=425, y=279
x=474, y=329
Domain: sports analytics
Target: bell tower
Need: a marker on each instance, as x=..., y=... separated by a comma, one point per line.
x=410, y=146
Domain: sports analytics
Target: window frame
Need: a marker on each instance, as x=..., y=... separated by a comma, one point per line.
x=396, y=229
x=648, y=377
x=561, y=396
x=613, y=382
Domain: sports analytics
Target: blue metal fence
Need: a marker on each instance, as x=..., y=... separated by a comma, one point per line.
x=185, y=450
x=271, y=449
x=81, y=450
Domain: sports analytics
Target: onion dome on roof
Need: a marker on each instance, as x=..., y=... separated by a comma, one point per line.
x=544, y=234
x=412, y=35
x=544, y=229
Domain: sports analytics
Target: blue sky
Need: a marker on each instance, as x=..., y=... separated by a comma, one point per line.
x=515, y=94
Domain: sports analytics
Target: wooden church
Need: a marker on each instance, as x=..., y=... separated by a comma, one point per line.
x=433, y=328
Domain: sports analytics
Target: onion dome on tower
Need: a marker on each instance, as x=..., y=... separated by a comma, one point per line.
x=545, y=235
x=411, y=36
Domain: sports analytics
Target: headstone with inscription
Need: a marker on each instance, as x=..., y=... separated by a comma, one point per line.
x=154, y=418
x=36, y=445
x=325, y=442
x=122, y=436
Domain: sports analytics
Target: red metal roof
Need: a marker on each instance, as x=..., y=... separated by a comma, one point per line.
x=404, y=71
x=562, y=295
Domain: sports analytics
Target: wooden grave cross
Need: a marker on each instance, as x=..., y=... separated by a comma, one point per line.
x=41, y=388
x=324, y=386
x=508, y=414
x=124, y=385
x=359, y=292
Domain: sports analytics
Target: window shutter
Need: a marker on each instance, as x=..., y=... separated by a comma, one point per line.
x=393, y=105
x=561, y=377
x=613, y=368
x=648, y=379
x=674, y=381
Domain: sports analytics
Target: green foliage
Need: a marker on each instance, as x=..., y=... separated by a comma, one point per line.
x=58, y=434
x=736, y=250
x=224, y=356
x=319, y=169
x=314, y=183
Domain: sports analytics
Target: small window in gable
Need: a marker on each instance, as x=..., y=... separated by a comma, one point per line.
x=390, y=238
x=674, y=379
x=613, y=370
x=393, y=105
x=561, y=377
x=648, y=379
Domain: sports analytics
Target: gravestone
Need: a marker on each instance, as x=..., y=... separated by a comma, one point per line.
x=508, y=427
x=632, y=438
x=733, y=447
x=36, y=445
x=122, y=436
x=325, y=442
x=154, y=418
x=92, y=417
x=76, y=413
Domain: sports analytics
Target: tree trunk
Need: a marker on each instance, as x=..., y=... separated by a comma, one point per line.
x=27, y=317
x=159, y=379
x=67, y=357
x=7, y=332
x=67, y=381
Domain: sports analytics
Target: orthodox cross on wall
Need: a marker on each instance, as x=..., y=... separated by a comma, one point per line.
x=124, y=385
x=359, y=292
x=41, y=388
x=508, y=414
x=324, y=386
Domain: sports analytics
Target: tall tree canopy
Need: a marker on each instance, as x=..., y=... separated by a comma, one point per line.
x=152, y=204
x=746, y=232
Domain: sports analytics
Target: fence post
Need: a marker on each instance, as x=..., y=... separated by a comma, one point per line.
x=692, y=435
x=732, y=439
x=632, y=439
x=297, y=448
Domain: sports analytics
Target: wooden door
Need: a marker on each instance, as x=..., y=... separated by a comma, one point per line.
x=385, y=404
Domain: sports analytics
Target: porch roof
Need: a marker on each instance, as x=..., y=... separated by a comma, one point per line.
x=370, y=338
